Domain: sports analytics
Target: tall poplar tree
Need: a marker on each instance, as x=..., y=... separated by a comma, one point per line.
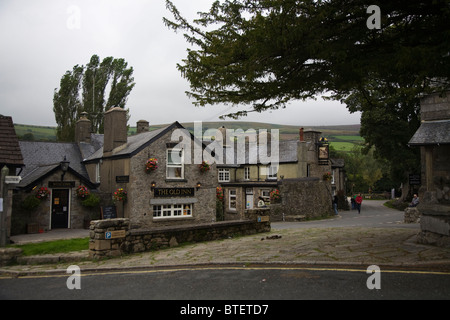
x=85, y=90
x=67, y=104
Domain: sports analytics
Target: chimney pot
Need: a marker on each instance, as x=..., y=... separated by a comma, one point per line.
x=302, y=138
x=115, y=129
x=83, y=129
x=142, y=126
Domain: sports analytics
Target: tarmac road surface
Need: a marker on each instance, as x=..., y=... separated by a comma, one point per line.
x=373, y=214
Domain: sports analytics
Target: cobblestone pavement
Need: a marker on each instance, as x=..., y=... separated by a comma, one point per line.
x=385, y=245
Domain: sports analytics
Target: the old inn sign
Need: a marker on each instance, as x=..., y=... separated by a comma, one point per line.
x=174, y=192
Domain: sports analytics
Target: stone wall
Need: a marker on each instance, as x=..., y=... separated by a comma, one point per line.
x=140, y=240
x=9, y=255
x=302, y=199
x=141, y=198
x=41, y=215
x=434, y=193
x=412, y=215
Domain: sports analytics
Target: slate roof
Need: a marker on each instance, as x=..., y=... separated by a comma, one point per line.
x=134, y=144
x=287, y=150
x=432, y=133
x=10, y=153
x=42, y=158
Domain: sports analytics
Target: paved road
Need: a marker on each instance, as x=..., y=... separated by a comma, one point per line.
x=233, y=283
x=373, y=214
x=228, y=269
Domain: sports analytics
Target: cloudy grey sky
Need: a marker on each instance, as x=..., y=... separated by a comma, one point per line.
x=40, y=40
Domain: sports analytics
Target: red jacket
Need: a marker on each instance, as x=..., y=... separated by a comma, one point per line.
x=358, y=199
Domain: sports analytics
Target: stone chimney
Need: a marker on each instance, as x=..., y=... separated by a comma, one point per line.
x=312, y=136
x=83, y=129
x=115, y=129
x=142, y=126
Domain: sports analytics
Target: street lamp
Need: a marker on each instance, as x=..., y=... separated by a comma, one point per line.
x=64, y=167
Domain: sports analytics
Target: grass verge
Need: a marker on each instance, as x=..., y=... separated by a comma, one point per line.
x=51, y=247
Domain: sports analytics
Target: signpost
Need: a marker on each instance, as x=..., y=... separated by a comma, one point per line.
x=3, y=213
x=13, y=179
x=414, y=180
x=109, y=212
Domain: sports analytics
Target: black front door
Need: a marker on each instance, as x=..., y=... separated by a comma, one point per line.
x=60, y=208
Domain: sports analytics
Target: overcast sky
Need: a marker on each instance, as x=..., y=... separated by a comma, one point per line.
x=41, y=39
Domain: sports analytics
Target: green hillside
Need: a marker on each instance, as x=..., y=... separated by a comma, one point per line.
x=342, y=137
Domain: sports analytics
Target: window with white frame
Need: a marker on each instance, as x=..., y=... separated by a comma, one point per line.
x=247, y=173
x=272, y=172
x=232, y=200
x=265, y=194
x=172, y=211
x=224, y=175
x=175, y=164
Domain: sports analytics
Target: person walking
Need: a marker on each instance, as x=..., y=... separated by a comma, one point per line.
x=358, y=201
x=352, y=200
x=335, y=205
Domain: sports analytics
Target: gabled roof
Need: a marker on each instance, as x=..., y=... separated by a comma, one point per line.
x=44, y=158
x=134, y=144
x=10, y=153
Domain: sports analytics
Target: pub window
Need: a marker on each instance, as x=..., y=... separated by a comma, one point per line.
x=272, y=172
x=265, y=194
x=175, y=164
x=232, y=199
x=172, y=211
x=157, y=211
x=247, y=173
x=224, y=175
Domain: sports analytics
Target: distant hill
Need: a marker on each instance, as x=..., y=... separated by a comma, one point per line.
x=342, y=137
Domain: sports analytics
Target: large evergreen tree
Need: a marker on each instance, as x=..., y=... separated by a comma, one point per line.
x=265, y=53
x=93, y=81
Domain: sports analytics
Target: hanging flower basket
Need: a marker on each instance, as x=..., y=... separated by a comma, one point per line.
x=204, y=166
x=120, y=195
x=219, y=193
x=82, y=192
x=275, y=196
x=327, y=176
x=42, y=193
x=151, y=165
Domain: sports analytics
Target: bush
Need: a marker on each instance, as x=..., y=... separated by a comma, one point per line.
x=92, y=201
x=396, y=204
x=30, y=203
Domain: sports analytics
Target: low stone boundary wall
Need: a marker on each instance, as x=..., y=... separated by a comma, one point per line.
x=412, y=215
x=113, y=237
x=9, y=255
